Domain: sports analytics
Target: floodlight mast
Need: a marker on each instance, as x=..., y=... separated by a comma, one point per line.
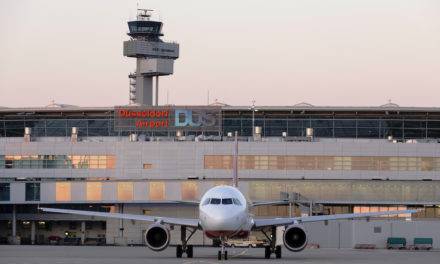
x=154, y=57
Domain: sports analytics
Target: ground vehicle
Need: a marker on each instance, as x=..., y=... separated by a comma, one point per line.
x=250, y=242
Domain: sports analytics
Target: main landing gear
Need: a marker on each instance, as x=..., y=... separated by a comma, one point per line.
x=185, y=248
x=272, y=248
x=222, y=251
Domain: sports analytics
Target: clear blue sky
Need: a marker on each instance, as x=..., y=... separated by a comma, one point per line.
x=358, y=53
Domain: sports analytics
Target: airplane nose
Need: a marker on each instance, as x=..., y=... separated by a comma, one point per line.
x=224, y=219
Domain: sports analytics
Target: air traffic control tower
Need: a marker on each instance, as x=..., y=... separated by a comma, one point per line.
x=153, y=57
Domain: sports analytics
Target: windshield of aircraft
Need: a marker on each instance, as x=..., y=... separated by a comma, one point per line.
x=227, y=201
x=206, y=201
x=221, y=201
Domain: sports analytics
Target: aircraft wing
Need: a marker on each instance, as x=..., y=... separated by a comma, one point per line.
x=261, y=223
x=166, y=220
x=188, y=202
x=268, y=203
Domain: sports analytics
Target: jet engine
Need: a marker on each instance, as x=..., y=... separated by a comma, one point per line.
x=295, y=237
x=157, y=237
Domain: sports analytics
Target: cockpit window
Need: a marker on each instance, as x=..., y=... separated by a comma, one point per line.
x=227, y=201
x=206, y=201
x=236, y=201
x=221, y=201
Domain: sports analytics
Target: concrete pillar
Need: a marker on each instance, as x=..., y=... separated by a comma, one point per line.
x=14, y=221
x=83, y=232
x=33, y=232
x=339, y=234
x=157, y=90
x=144, y=90
x=121, y=221
x=121, y=240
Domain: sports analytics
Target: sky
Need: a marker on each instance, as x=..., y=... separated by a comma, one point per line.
x=278, y=53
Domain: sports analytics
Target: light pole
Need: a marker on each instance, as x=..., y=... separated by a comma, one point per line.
x=253, y=117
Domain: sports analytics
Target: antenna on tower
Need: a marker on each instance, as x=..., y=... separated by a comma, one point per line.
x=143, y=14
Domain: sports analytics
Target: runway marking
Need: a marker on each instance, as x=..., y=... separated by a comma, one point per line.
x=200, y=261
x=241, y=253
x=210, y=262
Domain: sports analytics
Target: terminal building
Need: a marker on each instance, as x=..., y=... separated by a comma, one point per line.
x=325, y=160
x=156, y=160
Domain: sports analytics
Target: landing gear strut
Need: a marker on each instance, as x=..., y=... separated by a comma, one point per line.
x=222, y=251
x=185, y=248
x=272, y=248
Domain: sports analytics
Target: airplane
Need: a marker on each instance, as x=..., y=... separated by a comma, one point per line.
x=224, y=214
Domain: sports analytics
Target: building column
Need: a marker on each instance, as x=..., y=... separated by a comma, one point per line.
x=14, y=220
x=121, y=221
x=157, y=90
x=33, y=232
x=83, y=232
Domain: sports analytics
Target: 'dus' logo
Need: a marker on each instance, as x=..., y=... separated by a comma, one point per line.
x=195, y=118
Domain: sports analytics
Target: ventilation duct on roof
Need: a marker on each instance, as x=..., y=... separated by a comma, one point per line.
x=309, y=132
x=27, y=134
x=133, y=137
x=74, y=137
x=257, y=133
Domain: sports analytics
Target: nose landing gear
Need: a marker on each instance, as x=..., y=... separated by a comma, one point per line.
x=222, y=251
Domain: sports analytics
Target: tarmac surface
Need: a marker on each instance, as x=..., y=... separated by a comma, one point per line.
x=206, y=255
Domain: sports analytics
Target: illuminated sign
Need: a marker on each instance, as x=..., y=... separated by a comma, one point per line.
x=204, y=118
x=167, y=118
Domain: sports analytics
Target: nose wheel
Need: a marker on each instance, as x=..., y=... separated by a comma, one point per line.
x=222, y=252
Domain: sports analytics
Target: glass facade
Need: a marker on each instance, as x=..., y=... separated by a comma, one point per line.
x=125, y=191
x=218, y=183
x=260, y=190
x=348, y=191
x=32, y=191
x=279, y=210
x=157, y=190
x=57, y=161
x=374, y=209
x=4, y=192
x=333, y=194
x=190, y=190
x=94, y=191
x=278, y=162
x=63, y=191
x=349, y=123
x=379, y=126
x=51, y=127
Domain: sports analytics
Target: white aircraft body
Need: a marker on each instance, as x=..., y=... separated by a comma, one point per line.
x=224, y=214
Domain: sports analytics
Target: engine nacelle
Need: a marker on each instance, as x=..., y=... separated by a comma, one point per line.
x=295, y=237
x=157, y=237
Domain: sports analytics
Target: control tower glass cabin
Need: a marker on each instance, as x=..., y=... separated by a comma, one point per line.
x=145, y=30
